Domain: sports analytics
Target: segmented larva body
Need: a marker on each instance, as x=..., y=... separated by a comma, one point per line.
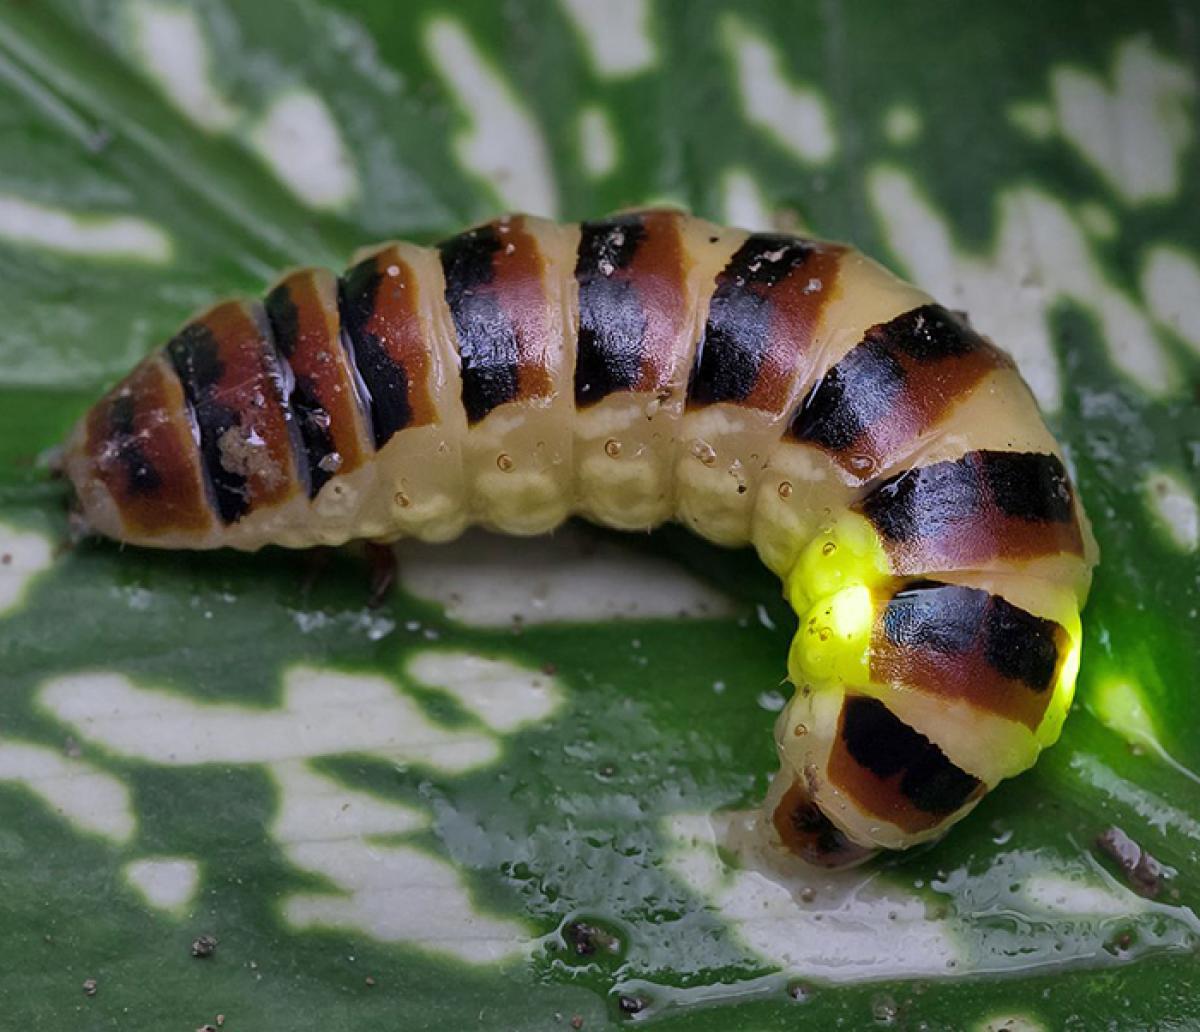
x=886, y=461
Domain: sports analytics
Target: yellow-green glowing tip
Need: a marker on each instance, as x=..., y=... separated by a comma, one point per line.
x=1064, y=691
x=834, y=640
x=846, y=554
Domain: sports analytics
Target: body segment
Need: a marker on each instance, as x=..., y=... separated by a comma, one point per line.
x=886, y=461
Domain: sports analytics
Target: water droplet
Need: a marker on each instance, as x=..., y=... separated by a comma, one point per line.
x=829, y=548
x=772, y=701
x=612, y=448
x=704, y=451
x=785, y=489
x=504, y=462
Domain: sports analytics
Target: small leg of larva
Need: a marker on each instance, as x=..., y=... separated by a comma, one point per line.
x=315, y=562
x=382, y=562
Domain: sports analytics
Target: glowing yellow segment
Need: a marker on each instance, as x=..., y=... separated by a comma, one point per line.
x=1064, y=688
x=833, y=644
x=845, y=554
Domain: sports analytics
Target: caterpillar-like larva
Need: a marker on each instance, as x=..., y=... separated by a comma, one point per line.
x=885, y=460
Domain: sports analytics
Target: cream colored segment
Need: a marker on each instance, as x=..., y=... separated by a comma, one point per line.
x=518, y=458
x=1001, y=414
x=623, y=449
x=801, y=485
x=420, y=490
x=986, y=745
x=867, y=294
x=805, y=755
x=628, y=444
x=699, y=496
x=1055, y=600
x=802, y=490
x=726, y=449
x=1049, y=601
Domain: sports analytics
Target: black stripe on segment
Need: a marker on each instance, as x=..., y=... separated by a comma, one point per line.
x=194, y=354
x=737, y=334
x=882, y=743
x=308, y=414
x=279, y=372
x=924, y=501
x=1029, y=486
x=954, y=620
x=385, y=379
x=486, y=341
x=944, y=618
x=141, y=478
x=928, y=333
x=865, y=387
x=1021, y=646
x=612, y=321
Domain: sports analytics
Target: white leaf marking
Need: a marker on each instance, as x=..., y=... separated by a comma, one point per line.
x=503, y=144
x=94, y=236
x=299, y=140
x=166, y=883
x=491, y=581
x=1041, y=256
x=81, y=794
x=794, y=115
x=616, y=33
x=173, y=48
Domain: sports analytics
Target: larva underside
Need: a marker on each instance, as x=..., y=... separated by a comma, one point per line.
x=883, y=458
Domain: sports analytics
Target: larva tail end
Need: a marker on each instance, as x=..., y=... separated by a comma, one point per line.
x=807, y=832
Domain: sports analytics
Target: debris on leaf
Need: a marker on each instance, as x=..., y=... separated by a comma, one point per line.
x=1144, y=874
x=587, y=939
x=204, y=945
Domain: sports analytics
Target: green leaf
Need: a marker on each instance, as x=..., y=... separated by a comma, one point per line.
x=516, y=795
